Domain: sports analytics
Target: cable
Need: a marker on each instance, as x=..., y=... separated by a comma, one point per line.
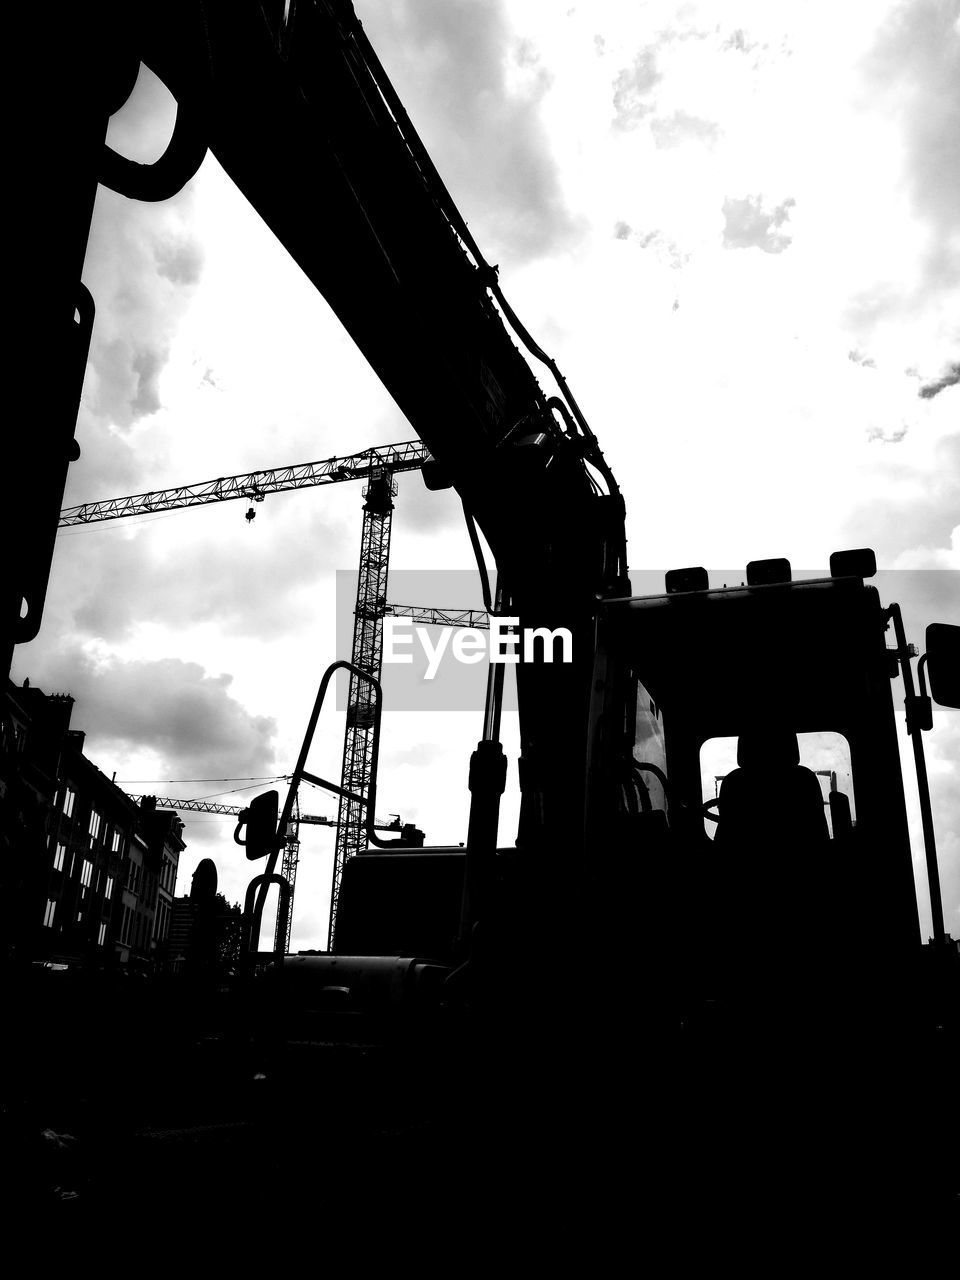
x=231, y=792
x=271, y=777
x=132, y=522
x=481, y=563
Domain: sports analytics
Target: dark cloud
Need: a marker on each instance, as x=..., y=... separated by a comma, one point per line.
x=633, y=89
x=248, y=584
x=680, y=127
x=948, y=379
x=749, y=225
x=179, y=259
x=449, y=60
x=189, y=718
x=116, y=388
x=109, y=462
x=141, y=266
x=146, y=366
x=141, y=276
x=915, y=67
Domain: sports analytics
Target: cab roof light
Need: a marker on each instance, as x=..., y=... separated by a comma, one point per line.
x=761, y=573
x=860, y=563
x=693, y=579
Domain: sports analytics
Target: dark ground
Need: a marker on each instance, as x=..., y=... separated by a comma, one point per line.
x=130, y=1090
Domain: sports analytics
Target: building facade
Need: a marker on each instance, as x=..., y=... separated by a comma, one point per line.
x=89, y=876
x=161, y=831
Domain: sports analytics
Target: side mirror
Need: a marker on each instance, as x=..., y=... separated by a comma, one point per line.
x=943, y=663
x=260, y=820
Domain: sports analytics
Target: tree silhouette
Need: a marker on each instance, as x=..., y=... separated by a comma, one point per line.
x=229, y=933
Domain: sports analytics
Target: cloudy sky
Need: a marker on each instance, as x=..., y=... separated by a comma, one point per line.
x=737, y=228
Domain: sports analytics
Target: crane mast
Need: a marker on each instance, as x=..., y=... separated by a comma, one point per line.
x=367, y=655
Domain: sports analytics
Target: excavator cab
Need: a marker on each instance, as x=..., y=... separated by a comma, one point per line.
x=754, y=878
x=745, y=779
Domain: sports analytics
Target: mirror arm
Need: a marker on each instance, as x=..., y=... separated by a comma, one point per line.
x=922, y=676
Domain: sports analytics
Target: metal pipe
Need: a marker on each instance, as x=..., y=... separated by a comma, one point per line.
x=252, y=919
x=493, y=702
x=488, y=775
x=923, y=786
x=922, y=676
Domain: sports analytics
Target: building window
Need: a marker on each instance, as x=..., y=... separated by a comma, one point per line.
x=69, y=795
x=116, y=841
x=162, y=921
x=86, y=875
x=95, y=822
x=108, y=891
x=60, y=856
x=49, y=913
x=102, y=933
x=125, y=928
x=79, y=917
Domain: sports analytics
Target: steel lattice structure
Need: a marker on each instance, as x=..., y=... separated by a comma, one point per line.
x=476, y=619
x=254, y=485
x=367, y=654
x=288, y=869
x=234, y=811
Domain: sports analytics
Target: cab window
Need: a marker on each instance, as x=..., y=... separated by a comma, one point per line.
x=649, y=748
x=826, y=754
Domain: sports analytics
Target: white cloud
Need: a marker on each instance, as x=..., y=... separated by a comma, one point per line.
x=473, y=92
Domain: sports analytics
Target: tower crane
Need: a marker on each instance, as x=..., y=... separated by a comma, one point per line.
x=234, y=811
x=253, y=485
x=378, y=466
